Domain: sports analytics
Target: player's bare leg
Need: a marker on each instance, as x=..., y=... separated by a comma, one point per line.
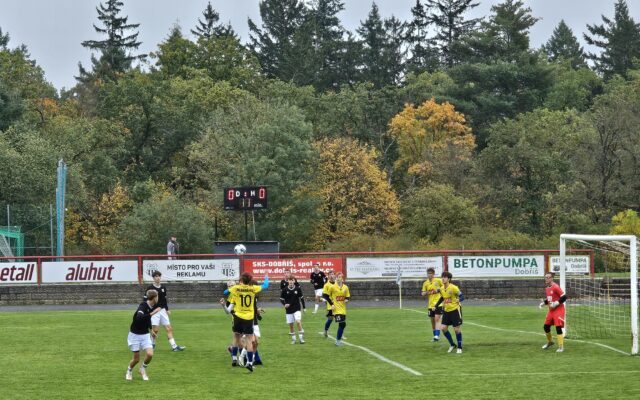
x=300, y=331
x=145, y=364
x=134, y=361
x=292, y=333
x=172, y=341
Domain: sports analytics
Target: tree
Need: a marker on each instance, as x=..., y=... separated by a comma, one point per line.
x=210, y=27
x=450, y=26
x=354, y=192
x=573, y=88
x=527, y=162
x=626, y=223
x=4, y=39
x=274, y=43
x=619, y=40
x=382, y=53
x=11, y=106
x=115, y=57
x=563, y=45
x=505, y=36
x=175, y=54
x=423, y=56
x=436, y=210
x=434, y=142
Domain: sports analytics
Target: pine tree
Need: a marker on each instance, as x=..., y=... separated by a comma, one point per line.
x=450, y=26
x=4, y=39
x=563, y=45
x=274, y=43
x=328, y=43
x=382, y=52
x=619, y=41
x=422, y=54
x=115, y=50
x=504, y=36
x=210, y=27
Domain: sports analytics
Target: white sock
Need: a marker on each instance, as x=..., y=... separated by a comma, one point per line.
x=172, y=342
x=315, y=308
x=301, y=335
x=293, y=336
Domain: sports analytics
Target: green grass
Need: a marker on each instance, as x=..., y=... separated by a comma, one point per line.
x=83, y=355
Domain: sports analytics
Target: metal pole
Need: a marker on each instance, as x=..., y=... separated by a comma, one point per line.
x=51, y=227
x=8, y=218
x=246, y=227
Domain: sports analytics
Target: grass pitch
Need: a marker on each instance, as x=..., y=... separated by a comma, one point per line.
x=83, y=355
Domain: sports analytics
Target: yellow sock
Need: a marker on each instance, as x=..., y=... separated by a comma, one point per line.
x=560, y=340
x=548, y=337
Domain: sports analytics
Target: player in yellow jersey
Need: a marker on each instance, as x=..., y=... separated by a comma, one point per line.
x=325, y=291
x=337, y=298
x=431, y=290
x=242, y=303
x=451, y=296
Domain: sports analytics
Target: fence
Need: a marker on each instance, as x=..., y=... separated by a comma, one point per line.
x=220, y=267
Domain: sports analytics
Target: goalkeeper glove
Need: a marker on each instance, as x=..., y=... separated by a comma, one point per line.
x=554, y=304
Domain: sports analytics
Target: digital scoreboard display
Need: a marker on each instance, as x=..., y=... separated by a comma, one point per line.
x=245, y=198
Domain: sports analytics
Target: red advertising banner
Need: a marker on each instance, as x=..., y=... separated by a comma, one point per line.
x=301, y=268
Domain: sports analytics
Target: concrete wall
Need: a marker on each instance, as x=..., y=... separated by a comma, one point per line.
x=211, y=292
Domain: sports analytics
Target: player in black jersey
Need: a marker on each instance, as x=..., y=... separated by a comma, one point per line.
x=317, y=279
x=292, y=299
x=139, y=337
x=162, y=316
x=285, y=281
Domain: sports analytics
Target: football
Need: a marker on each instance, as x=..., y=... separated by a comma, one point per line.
x=240, y=249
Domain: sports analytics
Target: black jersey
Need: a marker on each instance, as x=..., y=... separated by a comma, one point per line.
x=293, y=297
x=284, y=283
x=141, y=319
x=318, y=280
x=162, y=295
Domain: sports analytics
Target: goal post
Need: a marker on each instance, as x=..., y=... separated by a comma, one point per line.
x=605, y=305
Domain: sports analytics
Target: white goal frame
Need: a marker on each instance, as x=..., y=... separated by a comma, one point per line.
x=633, y=260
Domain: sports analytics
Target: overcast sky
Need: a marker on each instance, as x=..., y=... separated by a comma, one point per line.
x=53, y=29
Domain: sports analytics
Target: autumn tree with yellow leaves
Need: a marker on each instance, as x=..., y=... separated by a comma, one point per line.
x=434, y=143
x=355, y=196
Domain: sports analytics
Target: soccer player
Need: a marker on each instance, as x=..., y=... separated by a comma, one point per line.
x=338, y=297
x=139, y=337
x=243, y=304
x=555, y=299
x=161, y=317
x=318, y=279
x=431, y=289
x=285, y=280
x=325, y=291
x=291, y=298
x=451, y=296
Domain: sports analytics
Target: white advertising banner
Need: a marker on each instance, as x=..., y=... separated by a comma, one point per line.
x=387, y=267
x=574, y=264
x=18, y=273
x=192, y=270
x=496, y=266
x=89, y=271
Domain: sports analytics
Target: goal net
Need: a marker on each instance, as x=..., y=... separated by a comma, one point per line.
x=603, y=302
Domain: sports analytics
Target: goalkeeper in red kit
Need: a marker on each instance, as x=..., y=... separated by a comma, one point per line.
x=555, y=299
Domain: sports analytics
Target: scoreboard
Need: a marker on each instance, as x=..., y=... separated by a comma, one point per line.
x=245, y=198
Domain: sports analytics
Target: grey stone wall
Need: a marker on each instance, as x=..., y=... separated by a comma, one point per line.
x=212, y=292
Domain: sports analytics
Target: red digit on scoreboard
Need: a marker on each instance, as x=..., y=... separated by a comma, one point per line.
x=262, y=193
x=230, y=194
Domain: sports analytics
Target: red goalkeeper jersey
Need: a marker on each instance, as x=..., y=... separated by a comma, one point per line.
x=554, y=292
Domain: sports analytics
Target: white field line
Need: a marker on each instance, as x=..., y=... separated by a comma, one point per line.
x=378, y=356
x=533, y=333
x=554, y=373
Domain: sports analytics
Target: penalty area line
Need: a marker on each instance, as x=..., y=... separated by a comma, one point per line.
x=378, y=356
x=533, y=333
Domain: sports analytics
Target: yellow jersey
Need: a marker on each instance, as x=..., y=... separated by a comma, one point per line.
x=243, y=296
x=338, y=297
x=451, y=296
x=325, y=290
x=433, y=288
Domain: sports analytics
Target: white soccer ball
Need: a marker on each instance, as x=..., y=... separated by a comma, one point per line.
x=240, y=249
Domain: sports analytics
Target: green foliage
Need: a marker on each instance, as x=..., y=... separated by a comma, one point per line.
x=626, y=223
x=436, y=210
x=619, y=40
x=448, y=19
x=11, y=106
x=492, y=238
x=564, y=46
x=573, y=88
x=148, y=227
x=210, y=27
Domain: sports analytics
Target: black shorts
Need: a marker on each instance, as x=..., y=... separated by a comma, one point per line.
x=340, y=318
x=435, y=311
x=243, y=326
x=452, y=318
x=329, y=313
